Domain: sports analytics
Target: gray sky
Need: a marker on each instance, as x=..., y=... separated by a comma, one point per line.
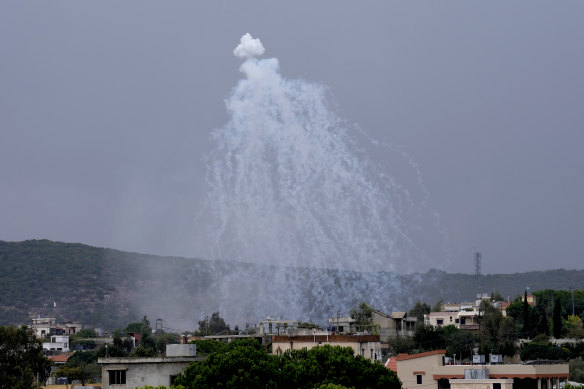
x=106, y=109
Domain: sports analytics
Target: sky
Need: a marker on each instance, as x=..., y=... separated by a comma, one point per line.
x=106, y=110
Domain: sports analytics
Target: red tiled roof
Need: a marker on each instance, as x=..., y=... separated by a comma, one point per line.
x=61, y=358
x=391, y=364
x=403, y=357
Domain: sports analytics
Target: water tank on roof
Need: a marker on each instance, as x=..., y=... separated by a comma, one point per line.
x=478, y=359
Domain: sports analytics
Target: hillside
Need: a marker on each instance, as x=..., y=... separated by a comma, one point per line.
x=109, y=288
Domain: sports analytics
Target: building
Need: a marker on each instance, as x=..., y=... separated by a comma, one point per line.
x=368, y=346
x=59, y=343
x=466, y=320
x=432, y=369
x=43, y=326
x=396, y=324
x=131, y=372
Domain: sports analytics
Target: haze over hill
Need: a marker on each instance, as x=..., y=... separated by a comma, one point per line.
x=109, y=288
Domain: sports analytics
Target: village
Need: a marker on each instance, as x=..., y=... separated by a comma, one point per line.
x=445, y=346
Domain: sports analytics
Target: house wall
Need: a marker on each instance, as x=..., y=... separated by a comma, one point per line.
x=480, y=384
x=429, y=366
x=143, y=371
x=366, y=345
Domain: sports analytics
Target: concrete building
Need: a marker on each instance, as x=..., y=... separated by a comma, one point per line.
x=57, y=343
x=417, y=371
x=396, y=324
x=366, y=345
x=467, y=320
x=130, y=372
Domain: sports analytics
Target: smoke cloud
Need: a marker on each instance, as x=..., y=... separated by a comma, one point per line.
x=249, y=47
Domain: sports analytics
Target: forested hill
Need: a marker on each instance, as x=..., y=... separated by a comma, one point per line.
x=109, y=288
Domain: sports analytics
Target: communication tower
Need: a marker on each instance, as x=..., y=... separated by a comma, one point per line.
x=478, y=278
x=477, y=261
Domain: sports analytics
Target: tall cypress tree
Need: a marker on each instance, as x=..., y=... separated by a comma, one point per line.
x=557, y=319
x=543, y=325
x=526, y=323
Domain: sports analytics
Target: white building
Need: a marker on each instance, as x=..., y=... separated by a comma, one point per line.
x=154, y=371
x=57, y=343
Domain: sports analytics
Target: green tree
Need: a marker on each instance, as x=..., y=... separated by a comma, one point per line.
x=526, y=316
x=574, y=328
x=363, y=315
x=247, y=364
x=21, y=359
x=428, y=338
x=534, y=351
x=80, y=366
x=577, y=369
x=543, y=326
x=490, y=323
x=461, y=343
x=557, y=319
x=215, y=325
x=418, y=311
x=438, y=307
x=209, y=346
x=496, y=296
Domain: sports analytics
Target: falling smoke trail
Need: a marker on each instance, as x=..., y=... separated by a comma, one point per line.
x=289, y=185
x=293, y=188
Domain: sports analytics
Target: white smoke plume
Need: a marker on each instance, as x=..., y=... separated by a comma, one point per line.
x=249, y=47
x=292, y=185
x=298, y=198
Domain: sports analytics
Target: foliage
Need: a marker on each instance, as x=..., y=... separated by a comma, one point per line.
x=21, y=359
x=247, y=364
x=418, y=311
x=209, y=346
x=80, y=366
x=570, y=386
x=139, y=327
x=401, y=344
x=363, y=315
x=112, y=350
x=307, y=325
x=577, y=369
x=515, y=310
x=574, y=328
x=428, y=337
x=557, y=320
x=438, y=307
x=216, y=325
x=534, y=351
x=461, y=343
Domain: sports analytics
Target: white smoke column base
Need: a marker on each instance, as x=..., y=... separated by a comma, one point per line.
x=289, y=186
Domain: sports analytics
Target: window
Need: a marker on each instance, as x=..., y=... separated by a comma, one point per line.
x=419, y=379
x=117, y=377
x=497, y=385
x=439, y=322
x=463, y=321
x=451, y=319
